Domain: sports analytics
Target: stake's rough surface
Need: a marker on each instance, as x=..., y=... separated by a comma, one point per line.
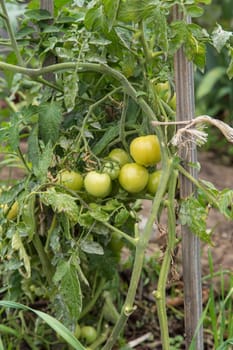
x=184, y=83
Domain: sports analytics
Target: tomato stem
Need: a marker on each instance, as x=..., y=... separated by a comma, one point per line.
x=160, y=293
x=141, y=245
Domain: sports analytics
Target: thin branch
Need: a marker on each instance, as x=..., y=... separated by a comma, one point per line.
x=11, y=33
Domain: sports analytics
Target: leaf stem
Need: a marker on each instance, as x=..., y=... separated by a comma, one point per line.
x=11, y=33
x=46, y=265
x=197, y=183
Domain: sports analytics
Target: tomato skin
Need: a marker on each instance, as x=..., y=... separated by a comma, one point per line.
x=145, y=150
x=77, y=331
x=119, y=155
x=70, y=179
x=111, y=168
x=153, y=182
x=89, y=333
x=133, y=177
x=172, y=102
x=163, y=90
x=97, y=184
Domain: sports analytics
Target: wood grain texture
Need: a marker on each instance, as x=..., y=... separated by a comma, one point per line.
x=191, y=261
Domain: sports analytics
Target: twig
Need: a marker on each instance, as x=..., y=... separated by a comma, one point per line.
x=139, y=340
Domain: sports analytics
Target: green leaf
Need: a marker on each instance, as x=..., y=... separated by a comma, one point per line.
x=70, y=90
x=209, y=80
x=111, y=133
x=230, y=67
x=98, y=213
x=121, y=217
x=61, y=203
x=194, y=216
x=195, y=51
x=161, y=29
x=44, y=162
x=136, y=10
x=110, y=10
x=50, y=117
x=220, y=37
x=94, y=18
x=14, y=131
x=17, y=245
x=38, y=15
x=194, y=11
x=178, y=35
x=69, y=287
x=225, y=203
x=28, y=216
x=33, y=147
x=51, y=321
x=91, y=247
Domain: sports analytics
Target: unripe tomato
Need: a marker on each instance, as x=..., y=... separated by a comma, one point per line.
x=172, y=102
x=89, y=334
x=112, y=168
x=70, y=179
x=145, y=150
x=13, y=212
x=133, y=177
x=163, y=90
x=119, y=155
x=116, y=244
x=97, y=184
x=153, y=181
x=77, y=331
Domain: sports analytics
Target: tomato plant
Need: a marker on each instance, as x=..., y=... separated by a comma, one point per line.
x=79, y=89
x=145, y=150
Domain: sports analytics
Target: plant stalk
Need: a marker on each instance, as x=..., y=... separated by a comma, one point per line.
x=160, y=293
x=11, y=33
x=141, y=245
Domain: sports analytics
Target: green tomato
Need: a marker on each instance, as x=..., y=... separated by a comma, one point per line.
x=119, y=155
x=111, y=168
x=145, y=150
x=163, y=90
x=77, y=331
x=133, y=177
x=97, y=184
x=116, y=244
x=88, y=333
x=153, y=182
x=70, y=179
x=172, y=102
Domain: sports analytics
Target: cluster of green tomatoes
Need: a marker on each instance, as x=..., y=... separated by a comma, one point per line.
x=130, y=170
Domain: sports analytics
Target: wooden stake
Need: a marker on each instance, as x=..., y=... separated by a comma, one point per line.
x=184, y=84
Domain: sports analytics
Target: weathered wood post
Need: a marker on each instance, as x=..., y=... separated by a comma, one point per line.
x=185, y=109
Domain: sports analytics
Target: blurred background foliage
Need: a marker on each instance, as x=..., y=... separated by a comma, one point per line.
x=214, y=90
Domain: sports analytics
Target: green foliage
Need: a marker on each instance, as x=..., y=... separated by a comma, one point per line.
x=109, y=58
